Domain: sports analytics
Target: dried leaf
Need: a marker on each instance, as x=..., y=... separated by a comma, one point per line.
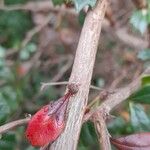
x=138, y=141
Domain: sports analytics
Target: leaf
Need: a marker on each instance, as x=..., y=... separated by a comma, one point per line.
x=11, y=29
x=58, y=2
x=81, y=17
x=31, y=148
x=27, y=51
x=8, y=141
x=88, y=137
x=80, y=4
x=139, y=119
x=4, y=109
x=2, y=52
x=138, y=141
x=142, y=95
x=117, y=123
x=146, y=80
x=144, y=54
x=10, y=96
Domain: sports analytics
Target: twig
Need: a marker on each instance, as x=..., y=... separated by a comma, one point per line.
x=35, y=30
x=13, y=124
x=101, y=129
x=43, y=85
x=81, y=74
x=118, y=96
x=127, y=38
x=118, y=80
x=63, y=69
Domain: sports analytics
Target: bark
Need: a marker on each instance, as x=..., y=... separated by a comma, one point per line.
x=82, y=74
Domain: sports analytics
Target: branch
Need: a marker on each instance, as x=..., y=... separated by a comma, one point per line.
x=127, y=38
x=118, y=96
x=43, y=85
x=82, y=74
x=13, y=124
x=63, y=69
x=35, y=30
x=101, y=129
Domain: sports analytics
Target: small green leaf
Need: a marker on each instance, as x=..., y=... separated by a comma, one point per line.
x=27, y=51
x=144, y=54
x=4, y=109
x=81, y=17
x=146, y=80
x=80, y=4
x=58, y=2
x=139, y=119
x=142, y=95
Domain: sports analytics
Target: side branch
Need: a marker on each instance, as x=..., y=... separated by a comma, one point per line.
x=101, y=129
x=13, y=124
x=118, y=96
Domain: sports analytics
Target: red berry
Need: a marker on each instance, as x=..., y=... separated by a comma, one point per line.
x=49, y=122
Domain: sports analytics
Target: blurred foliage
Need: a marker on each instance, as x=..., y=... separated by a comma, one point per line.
x=144, y=55
x=8, y=141
x=79, y=4
x=139, y=119
x=142, y=95
x=88, y=138
x=20, y=88
x=140, y=19
x=14, y=25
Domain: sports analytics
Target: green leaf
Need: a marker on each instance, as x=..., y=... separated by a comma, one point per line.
x=13, y=26
x=27, y=51
x=10, y=96
x=8, y=141
x=139, y=20
x=146, y=80
x=4, y=109
x=81, y=17
x=88, y=131
x=121, y=125
x=2, y=52
x=80, y=4
x=142, y=95
x=31, y=148
x=10, y=2
x=58, y=2
x=144, y=54
x=139, y=119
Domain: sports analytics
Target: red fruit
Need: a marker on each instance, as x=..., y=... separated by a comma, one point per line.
x=49, y=122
